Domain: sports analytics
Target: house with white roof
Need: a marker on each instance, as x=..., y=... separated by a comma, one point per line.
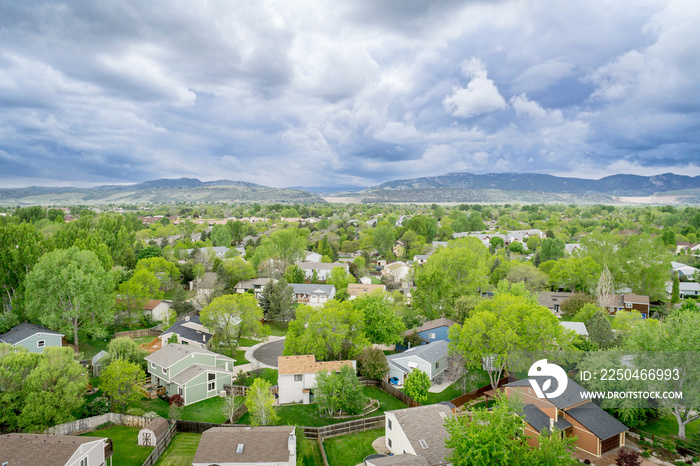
x=685, y=289
x=684, y=271
x=189, y=331
x=579, y=328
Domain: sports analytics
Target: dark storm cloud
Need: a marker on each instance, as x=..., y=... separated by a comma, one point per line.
x=318, y=93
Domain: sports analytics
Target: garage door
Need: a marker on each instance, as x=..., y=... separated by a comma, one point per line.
x=611, y=443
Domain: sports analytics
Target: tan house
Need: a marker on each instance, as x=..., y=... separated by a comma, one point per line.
x=297, y=376
x=596, y=431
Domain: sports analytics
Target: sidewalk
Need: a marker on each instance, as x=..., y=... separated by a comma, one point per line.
x=254, y=362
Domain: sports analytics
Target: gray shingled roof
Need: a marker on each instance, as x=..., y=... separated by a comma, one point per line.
x=181, y=329
x=570, y=397
x=172, y=353
x=426, y=423
x=193, y=371
x=399, y=460
x=431, y=353
x=269, y=444
x=303, y=288
x=593, y=418
x=40, y=450
x=578, y=327
x=540, y=421
x=23, y=331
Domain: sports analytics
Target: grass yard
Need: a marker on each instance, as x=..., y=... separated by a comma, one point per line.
x=667, y=426
x=349, y=450
x=90, y=347
x=307, y=415
x=209, y=410
x=181, y=450
x=308, y=452
x=125, y=442
x=277, y=328
x=239, y=357
x=247, y=342
x=455, y=390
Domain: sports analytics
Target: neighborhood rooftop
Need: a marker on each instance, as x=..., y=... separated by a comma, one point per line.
x=307, y=364
x=432, y=352
x=426, y=423
x=431, y=324
x=304, y=288
x=185, y=329
x=193, y=371
x=261, y=445
x=172, y=353
x=40, y=450
x=540, y=421
x=23, y=331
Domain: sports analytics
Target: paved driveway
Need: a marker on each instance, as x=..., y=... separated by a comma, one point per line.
x=269, y=352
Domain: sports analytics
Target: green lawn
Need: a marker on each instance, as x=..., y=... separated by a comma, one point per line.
x=308, y=452
x=349, y=450
x=90, y=347
x=667, y=426
x=278, y=329
x=125, y=442
x=247, y=342
x=239, y=357
x=455, y=390
x=181, y=450
x=307, y=415
x=209, y=410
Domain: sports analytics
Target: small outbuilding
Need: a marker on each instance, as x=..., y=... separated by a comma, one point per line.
x=153, y=433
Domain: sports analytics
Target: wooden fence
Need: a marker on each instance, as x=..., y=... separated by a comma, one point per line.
x=396, y=393
x=479, y=392
x=323, y=451
x=343, y=428
x=144, y=332
x=236, y=390
x=92, y=423
x=161, y=446
x=679, y=448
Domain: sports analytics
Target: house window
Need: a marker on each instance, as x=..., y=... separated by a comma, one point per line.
x=628, y=305
x=389, y=424
x=437, y=365
x=431, y=336
x=297, y=377
x=389, y=442
x=165, y=370
x=211, y=379
x=84, y=462
x=180, y=392
x=153, y=365
x=41, y=343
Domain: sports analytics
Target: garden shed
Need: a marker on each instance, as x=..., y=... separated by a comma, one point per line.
x=154, y=431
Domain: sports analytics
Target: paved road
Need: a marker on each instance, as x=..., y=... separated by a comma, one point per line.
x=268, y=353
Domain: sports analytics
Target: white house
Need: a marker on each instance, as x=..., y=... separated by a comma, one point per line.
x=430, y=358
x=322, y=269
x=685, y=289
x=297, y=376
x=418, y=432
x=396, y=270
x=158, y=309
x=684, y=270
x=313, y=257
x=313, y=295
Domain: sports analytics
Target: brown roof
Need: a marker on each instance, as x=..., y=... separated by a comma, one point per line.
x=159, y=427
x=356, y=289
x=40, y=450
x=431, y=324
x=152, y=304
x=550, y=299
x=260, y=445
x=619, y=300
x=426, y=423
x=307, y=364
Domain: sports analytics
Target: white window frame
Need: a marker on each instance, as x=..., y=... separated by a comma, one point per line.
x=431, y=336
x=211, y=382
x=628, y=305
x=84, y=462
x=43, y=343
x=297, y=377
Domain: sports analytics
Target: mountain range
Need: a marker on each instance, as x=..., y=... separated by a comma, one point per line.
x=451, y=187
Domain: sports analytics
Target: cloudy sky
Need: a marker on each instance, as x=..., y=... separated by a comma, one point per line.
x=345, y=93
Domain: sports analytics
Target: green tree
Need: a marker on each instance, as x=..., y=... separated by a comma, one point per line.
x=599, y=330
x=118, y=382
x=423, y=225
x=180, y=303
x=586, y=312
x=20, y=249
x=261, y=404
x=231, y=271
x=339, y=392
x=69, y=290
x=221, y=236
x=136, y=292
x=234, y=317
x=340, y=278
x=525, y=272
x=383, y=325
x=294, y=274
x=551, y=249
x=675, y=290
x=372, y=363
x=278, y=301
x=334, y=331
x=460, y=269
x=416, y=385
x=126, y=349
x=575, y=273
x=575, y=303
x=166, y=272
x=383, y=238
x=511, y=321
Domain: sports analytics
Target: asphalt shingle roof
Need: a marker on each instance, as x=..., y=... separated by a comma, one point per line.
x=304, y=288
x=40, y=450
x=180, y=327
x=593, y=418
x=172, y=353
x=540, y=421
x=431, y=353
x=193, y=371
x=432, y=324
x=24, y=330
x=426, y=423
x=268, y=444
x=570, y=397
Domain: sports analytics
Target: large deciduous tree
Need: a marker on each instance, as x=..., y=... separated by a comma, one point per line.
x=20, y=249
x=417, y=385
x=383, y=324
x=69, y=290
x=118, y=383
x=165, y=271
x=233, y=317
x=137, y=291
x=261, y=404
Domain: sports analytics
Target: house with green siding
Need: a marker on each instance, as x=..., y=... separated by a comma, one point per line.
x=33, y=337
x=190, y=371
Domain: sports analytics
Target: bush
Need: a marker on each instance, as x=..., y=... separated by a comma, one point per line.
x=628, y=458
x=135, y=411
x=669, y=445
x=177, y=400
x=97, y=406
x=372, y=363
x=646, y=453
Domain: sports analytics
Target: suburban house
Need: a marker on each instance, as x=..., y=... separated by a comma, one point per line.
x=418, y=432
x=433, y=330
x=430, y=358
x=684, y=271
x=158, y=309
x=687, y=248
x=218, y=251
x=399, y=248
x=313, y=257
x=192, y=372
x=569, y=248
x=260, y=445
x=313, y=295
x=54, y=450
x=255, y=286
x=33, y=337
x=552, y=299
x=579, y=328
x=421, y=259
x=205, y=285
x=297, y=376
x=153, y=432
x=322, y=269
x=628, y=302
x=189, y=331
x=685, y=290
x=358, y=289
x=396, y=270
x=520, y=236
x=596, y=431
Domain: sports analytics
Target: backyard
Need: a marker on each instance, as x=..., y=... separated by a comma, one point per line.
x=209, y=410
x=667, y=426
x=125, y=443
x=181, y=450
x=349, y=450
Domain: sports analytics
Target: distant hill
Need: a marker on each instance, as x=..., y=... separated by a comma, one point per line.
x=164, y=191
x=615, y=185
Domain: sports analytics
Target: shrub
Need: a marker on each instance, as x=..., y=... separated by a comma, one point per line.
x=135, y=411
x=372, y=363
x=628, y=458
x=97, y=406
x=177, y=400
x=646, y=453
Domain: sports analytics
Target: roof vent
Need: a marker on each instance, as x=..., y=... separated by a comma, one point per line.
x=239, y=450
x=423, y=444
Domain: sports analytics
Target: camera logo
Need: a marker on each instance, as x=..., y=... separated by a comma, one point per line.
x=542, y=368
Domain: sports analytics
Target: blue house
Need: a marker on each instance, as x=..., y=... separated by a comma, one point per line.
x=33, y=337
x=433, y=330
